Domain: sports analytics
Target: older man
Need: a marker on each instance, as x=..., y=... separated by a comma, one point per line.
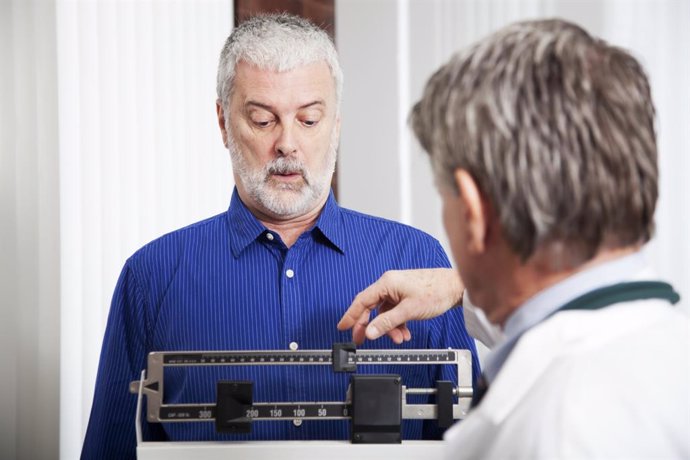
x=542, y=142
x=276, y=270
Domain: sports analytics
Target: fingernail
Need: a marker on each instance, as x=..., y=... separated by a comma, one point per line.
x=373, y=333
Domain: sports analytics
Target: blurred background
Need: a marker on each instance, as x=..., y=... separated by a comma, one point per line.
x=108, y=139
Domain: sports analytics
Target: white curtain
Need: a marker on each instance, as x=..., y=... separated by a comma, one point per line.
x=140, y=155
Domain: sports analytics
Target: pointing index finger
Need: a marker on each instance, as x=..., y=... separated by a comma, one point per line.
x=362, y=304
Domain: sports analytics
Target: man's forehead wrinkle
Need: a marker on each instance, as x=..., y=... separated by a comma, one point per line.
x=309, y=87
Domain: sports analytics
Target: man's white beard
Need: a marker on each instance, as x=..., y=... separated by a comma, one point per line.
x=284, y=200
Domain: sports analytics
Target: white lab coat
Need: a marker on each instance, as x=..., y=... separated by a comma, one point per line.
x=611, y=383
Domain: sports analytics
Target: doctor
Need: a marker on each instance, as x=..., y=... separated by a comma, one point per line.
x=542, y=142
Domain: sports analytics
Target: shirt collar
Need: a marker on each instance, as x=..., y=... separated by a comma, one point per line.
x=544, y=303
x=246, y=228
x=330, y=224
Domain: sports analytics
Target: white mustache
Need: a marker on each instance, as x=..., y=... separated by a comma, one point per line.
x=286, y=166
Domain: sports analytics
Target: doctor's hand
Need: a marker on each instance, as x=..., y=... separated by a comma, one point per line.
x=401, y=296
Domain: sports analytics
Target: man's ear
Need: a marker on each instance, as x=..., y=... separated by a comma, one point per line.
x=221, y=123
x=476, y=215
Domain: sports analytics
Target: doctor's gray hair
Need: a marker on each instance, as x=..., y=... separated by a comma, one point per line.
x=278, y=42
x=557, y=129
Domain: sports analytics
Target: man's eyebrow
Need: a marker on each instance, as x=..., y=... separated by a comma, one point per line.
x=270, y=108
x=311, y=104
x=259, y=104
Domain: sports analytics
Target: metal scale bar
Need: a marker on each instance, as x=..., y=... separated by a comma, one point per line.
x=302, y=357
x=258, y=411
x=152, y=386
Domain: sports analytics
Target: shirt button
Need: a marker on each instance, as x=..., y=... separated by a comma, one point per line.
x=269, y=236
x=289, y=273
x=293, y=346
x=297, y=422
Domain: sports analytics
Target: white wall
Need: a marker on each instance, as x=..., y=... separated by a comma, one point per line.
x=29, y=238
x=389, y=48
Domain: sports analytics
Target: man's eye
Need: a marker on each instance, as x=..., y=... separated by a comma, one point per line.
x=263, y=123
x=310, y=123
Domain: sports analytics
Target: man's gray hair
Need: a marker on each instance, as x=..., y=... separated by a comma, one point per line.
x=278, y=42
x=557, y=129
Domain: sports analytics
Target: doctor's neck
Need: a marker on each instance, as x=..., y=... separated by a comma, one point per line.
x=519, y=281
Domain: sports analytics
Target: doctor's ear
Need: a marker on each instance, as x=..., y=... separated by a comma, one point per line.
x=475, y=209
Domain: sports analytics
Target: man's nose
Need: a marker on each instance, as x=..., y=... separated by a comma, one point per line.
x=286, y=144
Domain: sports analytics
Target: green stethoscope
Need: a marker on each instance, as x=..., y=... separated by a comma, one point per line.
x=622, y=292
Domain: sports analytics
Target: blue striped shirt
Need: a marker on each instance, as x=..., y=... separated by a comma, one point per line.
x=228, y=283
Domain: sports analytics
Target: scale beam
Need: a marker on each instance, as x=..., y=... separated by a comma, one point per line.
x=342, y=358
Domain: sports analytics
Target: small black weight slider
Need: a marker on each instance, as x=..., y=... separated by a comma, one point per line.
x=233, y=399
x=444, y=403
x=376, y=409
x=341, y=357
